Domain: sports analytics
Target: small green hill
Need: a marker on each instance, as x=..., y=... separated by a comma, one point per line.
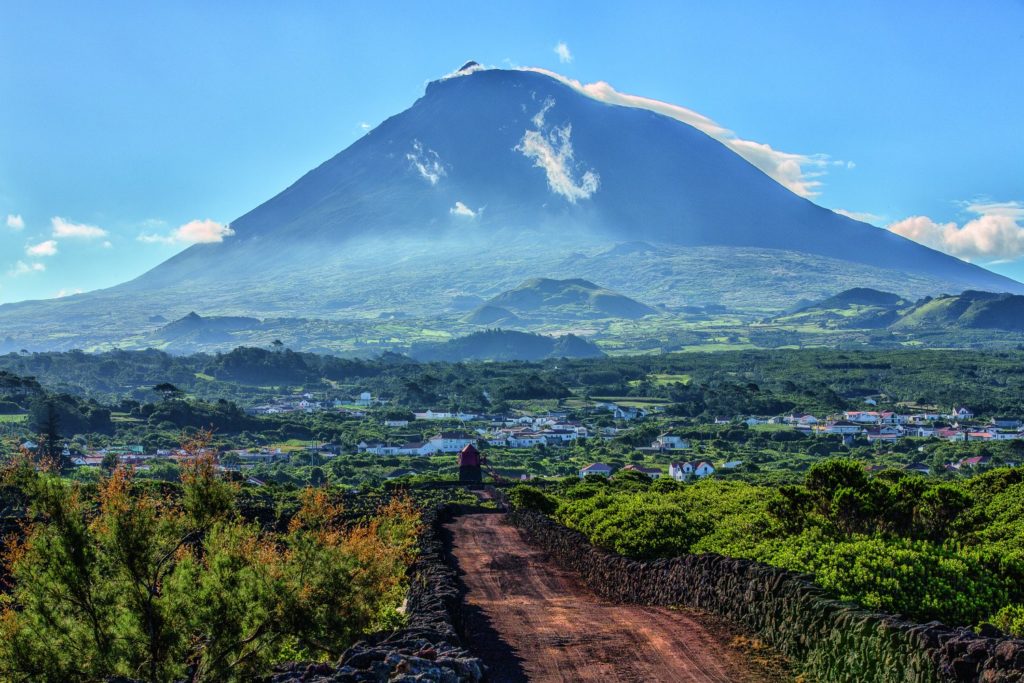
x=491, y=315
x=862, y=296
x=857, y=308
x=567, y=299
x=968, y=310
x=503, y=345
x=196, y=328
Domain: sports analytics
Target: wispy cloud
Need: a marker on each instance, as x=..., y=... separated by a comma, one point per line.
x=552, y=151
x=426, y=162
x=797, y=172
x=862, y=216
x=363, y=125
x=65, y=228
x=194, y=232
x=461, y=209
x=15, y=221
x=562, y=50
x=44, y=248
x=995, y=234
x=60, y=294
x=22, y=268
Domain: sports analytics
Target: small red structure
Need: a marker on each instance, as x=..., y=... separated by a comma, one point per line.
x=469, y=465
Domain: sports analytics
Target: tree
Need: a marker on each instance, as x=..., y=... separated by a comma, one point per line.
x=167, y=390
x=46, y=422
x=109, y=463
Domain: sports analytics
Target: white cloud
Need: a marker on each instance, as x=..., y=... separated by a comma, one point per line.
x=863, y=216
x=66, y=292
x=364, y=125
x=65, y=228
x=552, y=151
x=427, y=162
x=538, y=118
x=15, y=221
x=562, y=50
x=194, y=232
x=107, y=244
x=995, y=234
x=461, y=209
x=45, y=248
x=797, y=172
x=22, y=268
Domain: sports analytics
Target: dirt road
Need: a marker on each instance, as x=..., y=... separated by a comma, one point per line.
x=532, y=621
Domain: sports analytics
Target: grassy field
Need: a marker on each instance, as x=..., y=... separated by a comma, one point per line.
x=13, y=419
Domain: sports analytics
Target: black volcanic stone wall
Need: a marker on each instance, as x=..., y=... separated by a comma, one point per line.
x=828, y=639
x=428, y=648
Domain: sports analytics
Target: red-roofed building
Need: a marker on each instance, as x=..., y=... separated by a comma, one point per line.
x=469, y=465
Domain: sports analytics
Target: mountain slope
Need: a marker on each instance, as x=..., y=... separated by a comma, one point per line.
x=469, y=140
x=494, y=177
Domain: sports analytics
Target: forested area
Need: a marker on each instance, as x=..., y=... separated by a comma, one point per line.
x=697, y=384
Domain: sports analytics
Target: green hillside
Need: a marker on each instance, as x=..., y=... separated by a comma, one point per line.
x=568, y=299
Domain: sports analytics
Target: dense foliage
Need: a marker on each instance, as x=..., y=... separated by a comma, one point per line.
x=893, y=542
x=130, y=580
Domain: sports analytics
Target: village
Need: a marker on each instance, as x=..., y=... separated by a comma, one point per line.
x=428, y=432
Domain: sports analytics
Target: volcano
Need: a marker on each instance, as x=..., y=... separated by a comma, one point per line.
x=498, y=176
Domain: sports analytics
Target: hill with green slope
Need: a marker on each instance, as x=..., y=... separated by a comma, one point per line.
x=568, y=299
x=969, y=310
x=856, y=308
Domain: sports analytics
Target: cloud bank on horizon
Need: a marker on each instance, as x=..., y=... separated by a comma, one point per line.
x=995, y=234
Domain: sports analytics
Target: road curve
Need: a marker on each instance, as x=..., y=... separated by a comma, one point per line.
x=530, y=620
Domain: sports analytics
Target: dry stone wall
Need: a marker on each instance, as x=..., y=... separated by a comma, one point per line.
x=829, y=640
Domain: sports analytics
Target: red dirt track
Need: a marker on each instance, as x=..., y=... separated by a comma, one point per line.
x=532, y=621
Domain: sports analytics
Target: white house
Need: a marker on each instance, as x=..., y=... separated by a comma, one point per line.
x=525, y=439
x=598, y=468
x=449, y=442
x=628, y=413
x=842, y=427
x=961, y=413
x=415, y=448
x=680, y=471
x=365, y=399
x=703, y=469
x=670, y=442
x=396, y=423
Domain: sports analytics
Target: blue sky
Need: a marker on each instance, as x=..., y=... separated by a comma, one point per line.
x=128, y=130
